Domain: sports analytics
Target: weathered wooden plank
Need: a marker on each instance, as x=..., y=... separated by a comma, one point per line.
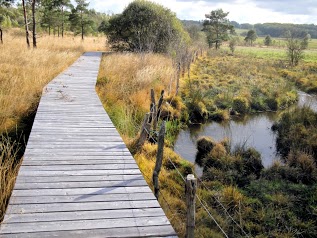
x=85, y=215
x=118, y=156
x=86, y=184
x=113, y=155
x=78, y=167
x=87, y=192
x=88, y=206
x=77, y=162
x=92, y=145
x=57, y=179
x=79, y=172
x=76, y=198
x=123, y=232
x=84, y=224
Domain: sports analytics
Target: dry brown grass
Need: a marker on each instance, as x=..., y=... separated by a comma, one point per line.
x=24, y=72
x=124, y=85
x=8, y=171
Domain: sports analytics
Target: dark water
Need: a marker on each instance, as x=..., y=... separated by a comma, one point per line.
x=251, y=131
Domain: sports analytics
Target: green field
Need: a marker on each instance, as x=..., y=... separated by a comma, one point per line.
x=277, y=42
x=274, y=53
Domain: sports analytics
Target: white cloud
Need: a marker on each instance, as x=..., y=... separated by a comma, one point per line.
x=242, y=11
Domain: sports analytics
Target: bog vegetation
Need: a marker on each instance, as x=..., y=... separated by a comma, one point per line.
x=206, y=75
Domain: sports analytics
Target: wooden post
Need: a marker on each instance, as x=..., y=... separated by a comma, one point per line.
x=159, y=105
x=145, y=130
x=159, y=159
x=178, y=76
x=153, y=110
x=190, y=190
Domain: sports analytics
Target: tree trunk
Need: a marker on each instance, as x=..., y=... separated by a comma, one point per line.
x=26, y=24
x=58, y=31
x=1, y=40
x=82, y=25
x=34, y=23
x=62, y=22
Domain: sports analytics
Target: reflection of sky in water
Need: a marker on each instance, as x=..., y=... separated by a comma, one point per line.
x=254, y=131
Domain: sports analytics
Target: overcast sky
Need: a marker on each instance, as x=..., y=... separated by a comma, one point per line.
x=242, y=11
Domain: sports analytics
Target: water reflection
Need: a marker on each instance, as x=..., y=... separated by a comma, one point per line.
x=252, y=131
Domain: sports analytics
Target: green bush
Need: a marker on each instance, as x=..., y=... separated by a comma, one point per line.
x=145, y=26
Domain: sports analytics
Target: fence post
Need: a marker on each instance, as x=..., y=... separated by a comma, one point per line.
x=146, y=127
x=153, y=110
x=159, y=159
x=190, y=190
x=159, y=105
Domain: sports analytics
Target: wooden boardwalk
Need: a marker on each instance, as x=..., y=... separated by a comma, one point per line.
x=78, y=179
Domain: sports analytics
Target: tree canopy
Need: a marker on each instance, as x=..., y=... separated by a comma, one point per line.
x=268, y=40
x=217, y=27
x=251, y=37
x=6, y=3
x=145, y=27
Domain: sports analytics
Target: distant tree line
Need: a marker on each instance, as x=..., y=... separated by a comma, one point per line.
x=54, y=17
x=279, y=29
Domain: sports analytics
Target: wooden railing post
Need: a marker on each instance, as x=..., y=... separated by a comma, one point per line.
x=153, y=110
x=146, y=127
x=159, y=159
x=190, y=190
x=159, y=105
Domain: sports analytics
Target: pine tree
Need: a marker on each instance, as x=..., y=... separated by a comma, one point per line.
x=217, y=27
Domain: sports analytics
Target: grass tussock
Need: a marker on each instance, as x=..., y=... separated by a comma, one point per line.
x=303, y=75
x=220, y=83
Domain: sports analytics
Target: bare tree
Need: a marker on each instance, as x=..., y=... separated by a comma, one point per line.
x=1, y=20
x=295, y=48
x=33, y=24
x=26, y=24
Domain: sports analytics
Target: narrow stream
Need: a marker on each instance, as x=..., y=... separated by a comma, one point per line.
x=251, y=131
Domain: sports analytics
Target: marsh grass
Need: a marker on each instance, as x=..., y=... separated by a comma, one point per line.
x=219, y=83
x=124, y=85
x=23, y=72
x=9, y=167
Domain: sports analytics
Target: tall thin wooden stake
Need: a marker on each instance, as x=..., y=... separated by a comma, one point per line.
x=159, y=105
x=153, y=110
x=178, y=77
x=190, y=190
x=159, y=159
x=145, y=130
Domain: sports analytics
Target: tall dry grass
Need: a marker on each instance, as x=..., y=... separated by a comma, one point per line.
x=23, y=74
x=9, y=168
x=124, y=85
